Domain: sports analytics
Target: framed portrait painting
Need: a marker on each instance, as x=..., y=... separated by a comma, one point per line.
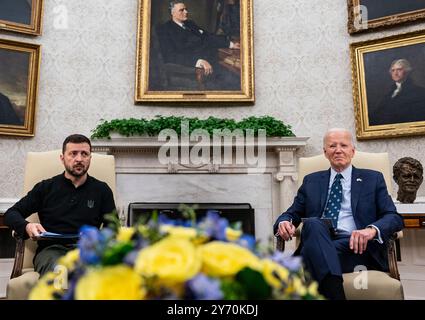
x=21, y=16
x=367, y=15
x=389, y=86
x=19, y=69
x=195, y=51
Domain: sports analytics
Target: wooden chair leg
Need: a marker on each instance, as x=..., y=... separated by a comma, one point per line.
x=19, y=258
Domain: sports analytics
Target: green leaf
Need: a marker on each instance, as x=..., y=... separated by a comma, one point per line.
x=116, y=253
x=254, y=284
x=139, y=127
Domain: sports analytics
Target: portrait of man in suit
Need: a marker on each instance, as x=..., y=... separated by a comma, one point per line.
x=405, y=100
x=362, y=214
x=184, y=43
x=14, y=68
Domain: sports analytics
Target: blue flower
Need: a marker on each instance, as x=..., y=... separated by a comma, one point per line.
x=130, y=258
x=292, y=263
x=202, y=287
x=163, y=219
x=214, y=226
x=92, y=244
x=247, y=241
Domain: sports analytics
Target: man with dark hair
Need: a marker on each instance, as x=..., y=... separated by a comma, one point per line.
x=408, y=174
x=64, y=204
x=183, y=42
x=7, y=112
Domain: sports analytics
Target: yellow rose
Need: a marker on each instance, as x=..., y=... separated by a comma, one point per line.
x=313, y=289
x=270, y=268
x=70, y=259
x=299, y=287
x=232, y=234
x=118, y=282
x=46, y=287
x=221, y=259
x=175, y=231
x=173, y=260
x=125, y=234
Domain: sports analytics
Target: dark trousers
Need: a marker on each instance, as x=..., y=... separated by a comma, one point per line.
x=325, y=253
x=45, y=260
x=222, y=80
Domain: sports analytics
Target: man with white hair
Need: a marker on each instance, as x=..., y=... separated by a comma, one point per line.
x=405, y=101
x=349, y=217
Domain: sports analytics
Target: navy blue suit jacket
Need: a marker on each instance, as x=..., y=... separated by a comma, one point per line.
x=370, y=204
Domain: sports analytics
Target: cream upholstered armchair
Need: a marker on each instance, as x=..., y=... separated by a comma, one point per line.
x=40, y=166
x=381, y=285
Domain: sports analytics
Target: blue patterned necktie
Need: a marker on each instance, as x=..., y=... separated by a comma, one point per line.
x=334, y=201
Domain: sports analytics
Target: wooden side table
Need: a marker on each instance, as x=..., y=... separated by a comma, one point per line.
x=413, y=214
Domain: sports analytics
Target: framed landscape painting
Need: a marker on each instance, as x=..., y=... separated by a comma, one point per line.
x=19, y=69
x=194, y=51
x=21, y=16
x=389, y=86
x=367, y=15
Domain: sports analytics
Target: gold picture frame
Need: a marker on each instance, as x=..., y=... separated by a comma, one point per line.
x=19, y=72
x=368, y=15
x=389, y=86
x=166, y=72
x=23, y=16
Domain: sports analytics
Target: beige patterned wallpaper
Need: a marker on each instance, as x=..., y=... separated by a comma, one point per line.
x=302, y=75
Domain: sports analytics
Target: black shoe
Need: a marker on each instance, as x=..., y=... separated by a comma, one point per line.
x=331, y=287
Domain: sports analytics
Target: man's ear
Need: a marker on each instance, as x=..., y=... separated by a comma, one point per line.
x=61, y=157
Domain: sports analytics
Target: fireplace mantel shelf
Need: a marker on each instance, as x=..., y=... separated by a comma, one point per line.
x=118, y=144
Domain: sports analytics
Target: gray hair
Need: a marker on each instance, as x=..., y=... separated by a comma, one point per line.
x=404, y=63
x=173, y=3
x=338, y=130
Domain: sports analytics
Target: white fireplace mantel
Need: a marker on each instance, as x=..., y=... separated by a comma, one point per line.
x=270, y=188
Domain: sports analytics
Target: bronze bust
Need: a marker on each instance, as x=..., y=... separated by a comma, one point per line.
x=408, y=174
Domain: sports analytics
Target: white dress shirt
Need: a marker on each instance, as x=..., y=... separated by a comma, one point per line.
x=346, y=222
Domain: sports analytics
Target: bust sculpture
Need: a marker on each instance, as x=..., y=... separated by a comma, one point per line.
x=408, y=174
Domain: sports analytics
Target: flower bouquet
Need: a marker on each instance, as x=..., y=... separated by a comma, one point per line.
x=174, y=259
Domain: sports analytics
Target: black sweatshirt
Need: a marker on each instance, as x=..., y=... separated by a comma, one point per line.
x=61, y=207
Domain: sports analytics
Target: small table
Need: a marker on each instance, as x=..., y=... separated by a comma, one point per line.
x=230, y=59
x=413, y=214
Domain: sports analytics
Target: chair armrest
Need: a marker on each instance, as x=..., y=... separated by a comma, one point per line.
x=392, y=257
x=19, y=256
x=280, y=244
x=196, y=73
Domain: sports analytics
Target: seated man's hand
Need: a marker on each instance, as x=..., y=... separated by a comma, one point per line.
x=208, y=69
x=286, y=230
x=34, y=230
x=359, y=239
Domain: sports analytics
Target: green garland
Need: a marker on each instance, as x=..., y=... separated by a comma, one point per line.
x=138, y=127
